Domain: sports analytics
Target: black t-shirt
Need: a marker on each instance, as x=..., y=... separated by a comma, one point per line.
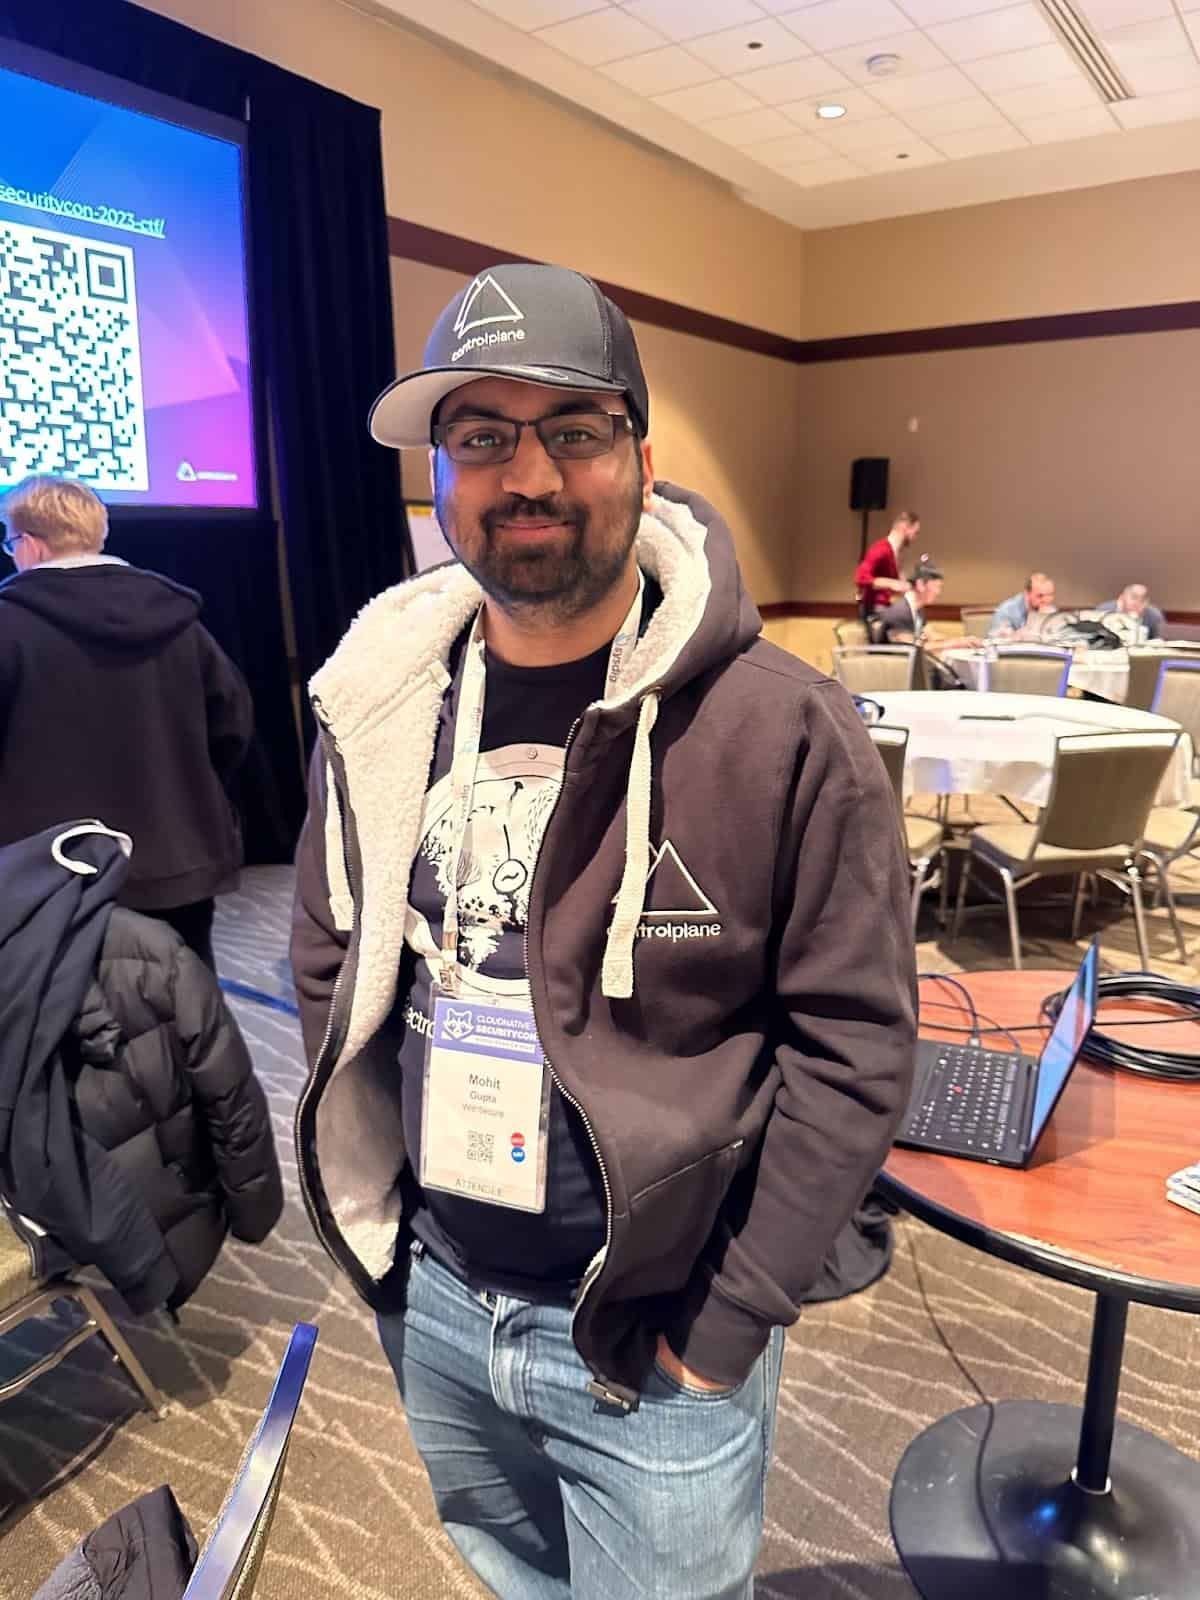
x=528, y=715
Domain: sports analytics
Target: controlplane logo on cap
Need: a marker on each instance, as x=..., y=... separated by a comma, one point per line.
x=485, y=303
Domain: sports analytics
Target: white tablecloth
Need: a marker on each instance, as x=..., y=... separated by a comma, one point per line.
x=1102, y=672
x=952, y=751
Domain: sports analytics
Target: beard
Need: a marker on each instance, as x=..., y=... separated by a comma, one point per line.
x=559, y=578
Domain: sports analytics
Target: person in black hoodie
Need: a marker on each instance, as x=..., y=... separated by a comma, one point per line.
x=116, y=702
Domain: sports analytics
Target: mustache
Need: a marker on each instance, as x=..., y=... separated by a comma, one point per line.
x=518, y=509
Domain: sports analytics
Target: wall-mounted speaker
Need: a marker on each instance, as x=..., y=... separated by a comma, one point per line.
x=869, y=483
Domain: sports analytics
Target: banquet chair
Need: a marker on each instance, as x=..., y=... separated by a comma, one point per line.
x=1178, y=697
x=1029, y=669
x=975, y=620
x=26, y=1292
x=1171, y=834
x=922, y=835
x=1143, y=676
x=1102, y=790
x=875, y=668
x=851, y=633
x=229, y=1564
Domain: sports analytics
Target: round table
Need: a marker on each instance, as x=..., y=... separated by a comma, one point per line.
x=1050, y=1500
x=1100, y=672
x=1004, y=743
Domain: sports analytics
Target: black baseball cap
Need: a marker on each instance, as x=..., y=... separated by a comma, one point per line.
x=927, y=567
x=535, y=324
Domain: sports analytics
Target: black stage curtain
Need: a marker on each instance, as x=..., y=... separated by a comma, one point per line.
x=321, y=309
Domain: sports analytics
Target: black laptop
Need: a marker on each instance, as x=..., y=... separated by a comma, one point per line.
x=990, y=1105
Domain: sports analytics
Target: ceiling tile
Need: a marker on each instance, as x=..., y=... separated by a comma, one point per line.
x=1048, y=63
x=959, y=116
x=835, y=23
x=600, y=36
x=659, y=71
x=685, y=19
x=1161, y=77
x=1046, y=99
x=816, y=173
x=792, y=80
x=1083, y=124
x=530, y=14
x=1106, y=14
x=729, y=51
x=979, y=141
x=923, y=89
x=848, y=137
x=790, y=152
x=917, y=53
x=926, y=12
x=1160, y=40
x=902, y=156
x=996, y=33
x=1156, y=108
x=750, y=127
x=720, y=98
x=858, y=104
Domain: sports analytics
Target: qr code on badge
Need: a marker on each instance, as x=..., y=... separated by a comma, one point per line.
x=70, y=360
x=480, y=1146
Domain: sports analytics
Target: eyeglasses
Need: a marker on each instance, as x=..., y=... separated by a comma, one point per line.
x=566, y=436
x=11, y=542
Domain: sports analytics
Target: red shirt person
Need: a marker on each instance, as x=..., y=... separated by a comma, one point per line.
x=877, y=577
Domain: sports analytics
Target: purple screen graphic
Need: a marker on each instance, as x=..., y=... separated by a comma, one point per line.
x=124, y=349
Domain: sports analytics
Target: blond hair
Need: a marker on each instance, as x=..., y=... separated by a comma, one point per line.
x=67, y=516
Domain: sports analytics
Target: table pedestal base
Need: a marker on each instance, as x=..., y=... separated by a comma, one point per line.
x=993, y=1512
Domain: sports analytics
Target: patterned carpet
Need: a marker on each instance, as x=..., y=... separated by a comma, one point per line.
x=861, y=1378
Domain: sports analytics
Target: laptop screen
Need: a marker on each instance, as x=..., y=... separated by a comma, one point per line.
x=1063, y=1046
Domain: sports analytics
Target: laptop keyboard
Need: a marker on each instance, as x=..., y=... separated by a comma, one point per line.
x=968, y=1100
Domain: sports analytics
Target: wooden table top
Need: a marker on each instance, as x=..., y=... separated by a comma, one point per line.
x=1092, y=1206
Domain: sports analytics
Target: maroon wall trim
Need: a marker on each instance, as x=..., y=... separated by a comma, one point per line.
x=432, y=248
x=847, y=612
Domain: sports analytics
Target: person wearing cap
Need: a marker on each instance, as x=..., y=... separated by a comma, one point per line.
x=602, y=955
x=1134, y=601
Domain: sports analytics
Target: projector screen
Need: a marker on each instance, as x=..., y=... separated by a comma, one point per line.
x=124, y=344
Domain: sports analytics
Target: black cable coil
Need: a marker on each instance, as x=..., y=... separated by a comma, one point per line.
x=1175, y=1065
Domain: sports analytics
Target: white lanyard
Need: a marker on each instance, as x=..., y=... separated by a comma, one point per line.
x=468, y=732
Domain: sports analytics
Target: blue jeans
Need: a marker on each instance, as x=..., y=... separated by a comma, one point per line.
x=548, y=1493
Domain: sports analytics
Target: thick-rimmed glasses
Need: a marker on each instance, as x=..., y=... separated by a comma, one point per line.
x=10, y=542
x=565, y=436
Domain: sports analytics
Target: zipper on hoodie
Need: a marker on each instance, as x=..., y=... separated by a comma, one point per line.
x=595, y=1388
x=342, y=1256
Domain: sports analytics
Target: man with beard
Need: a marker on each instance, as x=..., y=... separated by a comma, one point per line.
x=601, y=943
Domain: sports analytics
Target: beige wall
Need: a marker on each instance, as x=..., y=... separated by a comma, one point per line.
x=475, y=154
x=1079, y=457
x=705, y=434
x=1126, y=244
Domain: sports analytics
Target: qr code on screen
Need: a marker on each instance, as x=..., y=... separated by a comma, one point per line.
x=70, y=360
x=480, y=1146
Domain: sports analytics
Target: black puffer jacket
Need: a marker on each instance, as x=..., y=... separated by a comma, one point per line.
x=163, y=1081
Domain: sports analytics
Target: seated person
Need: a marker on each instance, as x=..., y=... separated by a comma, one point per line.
x=1134, y=601
x=905, y=620
x=1014, y=615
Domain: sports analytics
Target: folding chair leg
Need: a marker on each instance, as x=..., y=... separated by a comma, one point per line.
x=1014, y=931
x=959, y=904
x=121, y=1349
x=1168, y=894
x=1077, y=905
x=1139, y=915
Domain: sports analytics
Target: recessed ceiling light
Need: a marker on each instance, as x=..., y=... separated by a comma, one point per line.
x=754, y=44
x=830, y=112
x=884, y=65
x=903, y=156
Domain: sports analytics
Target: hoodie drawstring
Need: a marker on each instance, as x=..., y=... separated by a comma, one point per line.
x=616, y=978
